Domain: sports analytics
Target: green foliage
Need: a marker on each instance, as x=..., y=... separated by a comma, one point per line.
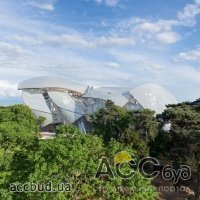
x=74, y=157
x=112, y=121
x=146, y=124
x=185, y=126
x=137, y=142
x=185, y=136
x=69, y=157
x=40, y=120
x=17, y=121
x=135, y=129
x=18, y=137
x=161, y=145
x=67, y=129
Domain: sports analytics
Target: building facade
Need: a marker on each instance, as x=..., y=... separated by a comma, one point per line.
x=62, y=101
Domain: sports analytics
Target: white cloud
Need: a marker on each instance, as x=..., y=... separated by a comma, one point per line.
x=127, y=57
x=126, y=33
x=53, y=39
x=8, y=89
x=148, y=26
x=57, y=50
x=115, y=41
x=47, y=5
x=75, y=39
x=113, y=64
x=161, y=30
x=168, y=37
x=192, y=55
x=88, y=42
x=135, y=60
x=167, y=25
x=28, y=39
x=156, y=66
x=150, y=32
x=110, y=3
x=7, y=48
x=182, y=80
x=188, y=15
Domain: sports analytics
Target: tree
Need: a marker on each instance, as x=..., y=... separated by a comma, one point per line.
x=67, y=129
x=74, y=157
x=71, y=157
x=146, y=124
x=17, y=121
x=40, y=120
x=18, y=137
x=111, y=122
x=185, y=137
x=133, y=128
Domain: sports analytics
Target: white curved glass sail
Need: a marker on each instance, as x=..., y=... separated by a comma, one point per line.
x=153, y=96
x=52, y=82
x=45, y=98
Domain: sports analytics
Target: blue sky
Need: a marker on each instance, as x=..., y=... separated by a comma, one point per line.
x=101, y=42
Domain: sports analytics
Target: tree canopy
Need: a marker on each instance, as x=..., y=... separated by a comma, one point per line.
x=183, y=137
x=71, y=157
x=134, y=128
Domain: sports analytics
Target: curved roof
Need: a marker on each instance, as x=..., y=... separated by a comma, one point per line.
x=52, y=82
x=109, y=93
x=153, y=96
